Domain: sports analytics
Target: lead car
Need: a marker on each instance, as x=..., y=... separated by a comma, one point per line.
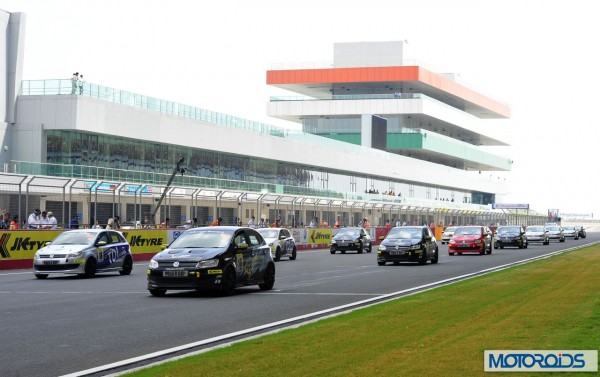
x=212, y=258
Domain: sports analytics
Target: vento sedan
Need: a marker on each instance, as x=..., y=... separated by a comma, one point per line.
x=281, y=242
x=537, y=233
x=84, y=252
x=408, y=244
x=354, y=238
x=216, y=258
x=470, y=239
x=571, y=231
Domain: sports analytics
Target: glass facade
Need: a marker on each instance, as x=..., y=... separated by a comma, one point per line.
x=111, y=152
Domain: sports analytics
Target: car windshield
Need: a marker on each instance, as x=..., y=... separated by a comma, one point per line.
x=450, y=229
x=269, y=233
x=509, y=229
x=75, y=238
x=554, y=228
x=207, y=238
x=469, y=231
x=405, y=233
x=348, y=232
x=569, y=228
x=535, y=228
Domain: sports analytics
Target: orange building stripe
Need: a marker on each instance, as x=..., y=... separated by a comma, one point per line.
x=383, y=74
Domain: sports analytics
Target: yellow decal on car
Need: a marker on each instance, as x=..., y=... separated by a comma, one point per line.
x=78, y=260
x=215, y=272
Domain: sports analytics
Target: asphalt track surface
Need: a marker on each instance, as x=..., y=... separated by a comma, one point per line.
x=65, y=324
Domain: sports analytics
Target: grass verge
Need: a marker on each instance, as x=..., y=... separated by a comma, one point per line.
x=546, y=305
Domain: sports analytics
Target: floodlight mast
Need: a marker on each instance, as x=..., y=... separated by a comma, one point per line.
x=178, y=169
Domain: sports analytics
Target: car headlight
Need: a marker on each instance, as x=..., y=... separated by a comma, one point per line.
x=382, y=247
x=153, y=264
x=209, y=263
x=414, y=247
x=451, y=242
x=75, y=254
x=271, y=244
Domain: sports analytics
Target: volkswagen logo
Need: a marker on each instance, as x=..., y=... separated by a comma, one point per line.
x=51, y=256
x=175, y=264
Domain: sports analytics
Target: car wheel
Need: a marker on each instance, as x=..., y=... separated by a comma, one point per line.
x=332, y=251
x=343, y=251
x=526, y=245
x=228, y=282
x=158, y=292
x=127, y=266
x=547, y=242
x=489, y=251
x=450, y=253
x=562, y=240
x=423, y=259
x=268, y=279
x=370, y=248
x=396, y=263
x=293, y=256
x=436, y=256
x=90, y=268
x=502, y=247
x=381, y=263
x=360, y=248
x=41, y=276
x=277, y=255
x=482, y=252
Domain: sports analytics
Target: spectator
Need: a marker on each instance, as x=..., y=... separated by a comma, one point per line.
x=74, y=81
x=337, y=223
x=80, y=82
x=314, y=222
x=74, y=223
x=251, y=223
x=117, y=223
x=14, y=224
x=388, y=225
x=33, y=221
x=5, y=221
x=217, y=222
x=97, y=225
x=52, y=223
x=261, y=223
x=166, y=224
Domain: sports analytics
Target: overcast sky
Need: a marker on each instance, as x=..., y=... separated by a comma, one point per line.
x=540, y=57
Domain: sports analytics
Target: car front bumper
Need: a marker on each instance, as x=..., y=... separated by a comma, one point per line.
x=184, y=279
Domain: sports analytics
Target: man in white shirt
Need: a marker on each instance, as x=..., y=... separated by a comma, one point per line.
x=251, y=223
x=52, y=223
x=33, y=221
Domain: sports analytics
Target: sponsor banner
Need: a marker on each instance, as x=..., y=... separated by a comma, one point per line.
x=22, y=244
x=146, y=241
x=318, y=236
x=540, y=361
x=510, y=206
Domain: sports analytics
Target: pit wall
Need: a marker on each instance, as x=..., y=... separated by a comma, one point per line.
x=17, y=247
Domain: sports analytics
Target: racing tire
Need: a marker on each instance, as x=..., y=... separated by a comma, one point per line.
x=370, y=248
x=576, y=238
x=293, y=256
x=381, y=263
x=332, y=251
x=41, y=276
x=546, y=242
x=501, y=246
x=482, y=252
x=360, y=248
x=489, y=251
x=228, y=282
x=562, y=240
x=158, y=292
x=521, y=246
x=127, y=266
x=526, y=245
x=423, y=259
x=451, y=254
x=277, y=255
x=436, y=256
x=90, y=268
x=343, y=251
x=268, y=279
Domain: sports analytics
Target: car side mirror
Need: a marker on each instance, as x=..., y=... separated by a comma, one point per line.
x=427, y=238
x=381, y=238
x=163, y=247
x=282, y=237
x=101, y=243
x=47, y=243
x=242, y=246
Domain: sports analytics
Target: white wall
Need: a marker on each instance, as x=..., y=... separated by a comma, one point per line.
x=73, y=112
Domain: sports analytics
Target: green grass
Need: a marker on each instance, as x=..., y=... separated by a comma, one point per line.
x=546, y=305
